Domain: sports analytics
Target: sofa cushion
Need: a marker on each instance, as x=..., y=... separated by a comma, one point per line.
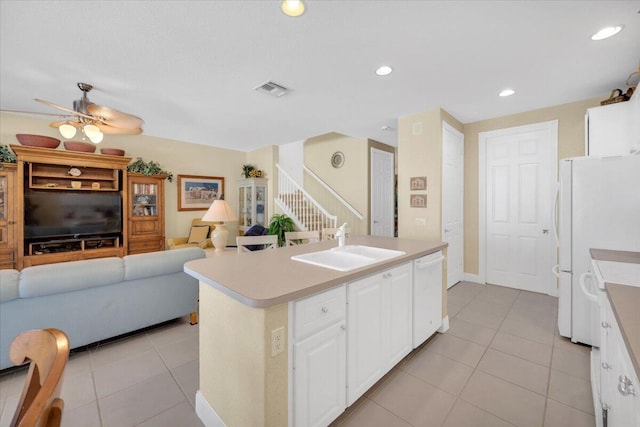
x=152, y=264
x=198, y=233
x=9, y=285
x=70, y=276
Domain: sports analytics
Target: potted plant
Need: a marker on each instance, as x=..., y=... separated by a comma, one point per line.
x=279, y=225
x=148, y=168
x=6, y=155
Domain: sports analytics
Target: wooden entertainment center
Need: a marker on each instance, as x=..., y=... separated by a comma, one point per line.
x=43, y=172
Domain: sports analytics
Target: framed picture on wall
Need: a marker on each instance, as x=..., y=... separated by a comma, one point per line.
x=418, y=201
x=418, y=183
x=196, y=193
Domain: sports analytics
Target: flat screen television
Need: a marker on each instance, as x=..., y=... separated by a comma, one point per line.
x=71, y=214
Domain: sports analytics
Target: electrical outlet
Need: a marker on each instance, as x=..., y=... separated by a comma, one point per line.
x=277, y=341
x=421, y=221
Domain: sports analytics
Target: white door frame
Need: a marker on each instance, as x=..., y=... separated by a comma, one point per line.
x=455, y=131
x=552, y=127
x=388, y=156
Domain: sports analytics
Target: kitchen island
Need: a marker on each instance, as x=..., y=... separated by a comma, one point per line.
x=246, y=332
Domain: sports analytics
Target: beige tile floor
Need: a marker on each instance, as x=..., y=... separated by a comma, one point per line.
x=500, y=364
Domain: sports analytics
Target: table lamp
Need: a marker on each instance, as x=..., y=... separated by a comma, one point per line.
x=220, y=211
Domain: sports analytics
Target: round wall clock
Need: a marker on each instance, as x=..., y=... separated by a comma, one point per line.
x=337, y=159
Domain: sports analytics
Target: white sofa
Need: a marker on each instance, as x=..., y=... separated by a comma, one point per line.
x=95, y=299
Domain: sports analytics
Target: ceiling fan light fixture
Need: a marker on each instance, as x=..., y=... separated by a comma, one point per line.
x=607, y=32
x=506, y=92
x=93, y=133
x=292, y=7
x=67, y=131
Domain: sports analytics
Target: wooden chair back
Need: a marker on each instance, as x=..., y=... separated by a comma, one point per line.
x=330, y=233
x=48, y=351
x=300, y=237
x=267, y=242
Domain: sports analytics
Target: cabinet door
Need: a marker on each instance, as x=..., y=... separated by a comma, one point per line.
x=398, y=314
x=365, y=355
x=609, y=129
x=319, y=373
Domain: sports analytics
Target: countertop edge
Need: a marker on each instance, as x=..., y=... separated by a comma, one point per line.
x=302, y=293
x=612, y=290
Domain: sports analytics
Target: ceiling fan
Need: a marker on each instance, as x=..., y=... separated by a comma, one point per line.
x=92, y=119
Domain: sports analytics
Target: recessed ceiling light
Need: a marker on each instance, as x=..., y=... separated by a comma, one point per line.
x=607, y=32
x=292, y=7
x=507, y=92
x=387, y=128
x=384, y=70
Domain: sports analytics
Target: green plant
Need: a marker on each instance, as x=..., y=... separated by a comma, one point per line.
x=6, y=155
x=279, y=225
x=246, y=170
x=148, y=168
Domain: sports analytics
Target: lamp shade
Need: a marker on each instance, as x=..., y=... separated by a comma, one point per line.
x=220, y=211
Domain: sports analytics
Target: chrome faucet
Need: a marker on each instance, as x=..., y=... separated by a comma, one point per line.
x=341, y=234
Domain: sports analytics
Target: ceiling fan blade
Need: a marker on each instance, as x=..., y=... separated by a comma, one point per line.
x=68, y=110
x=115, y=118
x=112, y=130
x=34, y=112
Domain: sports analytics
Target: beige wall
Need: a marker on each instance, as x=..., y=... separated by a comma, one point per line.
x=350, y=181
x=256, y=394
x=180, y=158
x=571, y=129
x=420, y=154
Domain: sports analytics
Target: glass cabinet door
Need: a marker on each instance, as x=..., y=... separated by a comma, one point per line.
x=252, y=203
x=145, y=199
x=261, y=196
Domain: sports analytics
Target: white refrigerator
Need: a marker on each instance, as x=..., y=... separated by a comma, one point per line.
x=598, y=207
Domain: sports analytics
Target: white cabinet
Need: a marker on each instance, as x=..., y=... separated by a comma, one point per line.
x=611, y=130
x=379, y=333
x=319, y=358
x=252, y=203
x=619, y=382
x=427, y=297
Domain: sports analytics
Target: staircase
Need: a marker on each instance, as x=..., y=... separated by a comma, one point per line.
x=296, y=203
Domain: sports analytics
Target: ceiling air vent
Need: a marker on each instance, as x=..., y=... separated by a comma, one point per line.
x=271, y=88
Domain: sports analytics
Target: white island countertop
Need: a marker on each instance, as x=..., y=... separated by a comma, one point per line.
x=266, y=278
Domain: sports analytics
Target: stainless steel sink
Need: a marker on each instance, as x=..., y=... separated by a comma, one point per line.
x=347, y=258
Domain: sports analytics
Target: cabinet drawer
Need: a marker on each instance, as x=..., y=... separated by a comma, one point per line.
x=142, y=246
x=318, y=311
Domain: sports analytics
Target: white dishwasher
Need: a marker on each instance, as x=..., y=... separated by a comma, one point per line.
x=427, y=296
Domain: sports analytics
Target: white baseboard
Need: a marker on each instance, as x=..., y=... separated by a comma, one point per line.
x=472, y=278
x=206, y=413
x=445, y=325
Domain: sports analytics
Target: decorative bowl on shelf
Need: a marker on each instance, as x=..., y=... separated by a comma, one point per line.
x=112, y=151
x=37, y=140
x=79, y=146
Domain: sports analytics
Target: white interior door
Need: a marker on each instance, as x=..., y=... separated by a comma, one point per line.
x=382, y=182
x=519, y=173
x=452, y=199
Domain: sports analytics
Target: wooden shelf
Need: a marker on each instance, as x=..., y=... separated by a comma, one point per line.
x=57, y=177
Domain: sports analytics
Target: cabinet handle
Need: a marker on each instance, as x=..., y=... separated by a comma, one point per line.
x=605, y=325
x=605, y=365
x=387, y=276
x=343, y=327
x=625, y=387
x=324, y=309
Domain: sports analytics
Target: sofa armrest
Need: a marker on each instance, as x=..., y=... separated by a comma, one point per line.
x=176, y=241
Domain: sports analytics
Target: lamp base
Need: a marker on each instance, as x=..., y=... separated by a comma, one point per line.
x=219, y=237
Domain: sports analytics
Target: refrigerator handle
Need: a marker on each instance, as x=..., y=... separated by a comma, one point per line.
x=583, y=286
x=554, y=214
